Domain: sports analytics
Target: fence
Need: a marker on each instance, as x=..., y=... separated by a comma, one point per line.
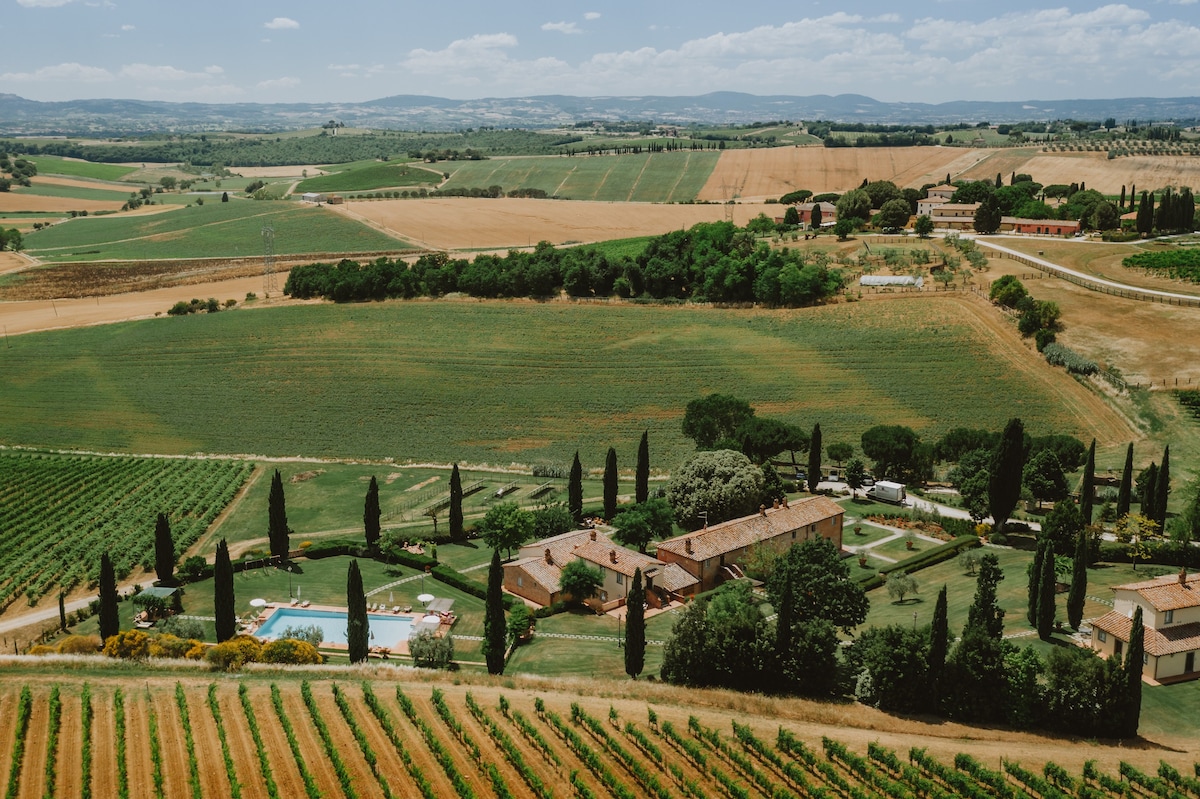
x=1094, y=285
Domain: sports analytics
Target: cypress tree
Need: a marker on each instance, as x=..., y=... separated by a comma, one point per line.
x=495, y=635
x=610, y=485
x=641, y=491
x=1125, y=492
x=1047, y=608
x=985, y=614
x=1087, y=490
x=1035, y=579
x=224, y=607
x=999, y=181
x=1004, y=480
x=62, y=611
x=635, y=627
x=939, y=642
x=371, y=513
x=814, y=459
x=1121, y=204
x=1149, y=492
x=358, y=628
x=1133, y=675
x=164, y=551
x=457, y=531
x=575, y=488
x=110, y=624
x=1162, y=489
x=1078, y=594
x=277, y=525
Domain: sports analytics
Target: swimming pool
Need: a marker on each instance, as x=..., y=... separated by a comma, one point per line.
x=386, y=629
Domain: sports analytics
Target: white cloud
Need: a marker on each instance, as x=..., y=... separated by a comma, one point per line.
x=128, y=28
x=43, y=3
x=160, y=73
x=281, y=23
x=591, y=15
x=214, y=70
x=1184, y=2
x=73, y=72
x=561, y=27
x=277, y=83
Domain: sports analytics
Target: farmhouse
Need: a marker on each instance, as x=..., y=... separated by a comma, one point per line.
x=535, y=574
x=1040, y=227
x=312, y=197
x=715, y=554
x=1171, y=617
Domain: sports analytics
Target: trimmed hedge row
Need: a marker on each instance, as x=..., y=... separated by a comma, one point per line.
x=930, y=557
x=454, y=579
x=1162, y=553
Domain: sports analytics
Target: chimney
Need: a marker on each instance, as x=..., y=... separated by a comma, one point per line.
x=592, y=535
x=1183, y=575
x=549, y=558
x=775, y=504
x=762, y=510
x=612, y=555
x=785, y=501
x=687, y=545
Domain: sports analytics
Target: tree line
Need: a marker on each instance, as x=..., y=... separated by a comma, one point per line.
x=710, y=262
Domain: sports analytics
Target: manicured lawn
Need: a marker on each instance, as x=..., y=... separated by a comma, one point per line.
x=867, y=534
x=497, y=382
x=565, y=657
x=327, y=500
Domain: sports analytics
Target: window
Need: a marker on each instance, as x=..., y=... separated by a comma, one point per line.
x=1118, y=647
x=1169, y=617
x=520, y=582
x=1145, y=658
x=1101, y=636
x=620, y=579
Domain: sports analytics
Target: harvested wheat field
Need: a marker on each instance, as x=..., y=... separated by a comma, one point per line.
x=473, y=224
x=15, y=201
x=84, y=183
x=1095, y=169
x=402, y=733
x=278, y=171
x=770, y=173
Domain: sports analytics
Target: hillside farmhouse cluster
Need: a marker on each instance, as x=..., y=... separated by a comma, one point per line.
x=1171, y=620
x=961, y=216
x=682, y=566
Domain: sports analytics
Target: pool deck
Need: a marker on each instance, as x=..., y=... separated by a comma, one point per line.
x=401, y=648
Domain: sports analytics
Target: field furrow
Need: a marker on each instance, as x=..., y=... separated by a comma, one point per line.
x=241, y=746
x=390, y=764
x=491, y=752
x=8, y=706
x=70, y=735
x=213, y=778
x=34, y=764
x=416, y=746
x=283, y=765
x=347, y=747
x=315, y=759
x=137, y=747
x=104, y=745
x=173, y=747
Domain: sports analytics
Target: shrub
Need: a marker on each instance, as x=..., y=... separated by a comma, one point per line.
x=1058, y=355
x=234, y=653
x=430, y=651
x=128, y=645
x=194, y=568
x=290, y=651
x=183, y=628
x=170, y=646
x=80, y=645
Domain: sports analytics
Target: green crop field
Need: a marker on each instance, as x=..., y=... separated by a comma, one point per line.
x=503, y=382
x=51, y=165
x=59, y=514
x=655, y=177
x=212, y=230
x=75, y=192
x=374, y=176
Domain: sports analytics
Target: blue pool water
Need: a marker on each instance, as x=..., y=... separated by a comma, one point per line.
x=386, y=629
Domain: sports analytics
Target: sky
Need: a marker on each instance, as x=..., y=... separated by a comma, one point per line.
x=356, y=50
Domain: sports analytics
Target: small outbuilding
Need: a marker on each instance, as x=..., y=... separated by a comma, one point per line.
x=312, y=197
x=903, y=281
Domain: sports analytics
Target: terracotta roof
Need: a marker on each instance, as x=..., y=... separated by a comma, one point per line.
x=615, y=557
x=675, y=578
x=1166, y=641
x=562, y=546
x=943, y=187
x=957, y=207
x=737, y=533
x=1167, y=593
x=545, y=574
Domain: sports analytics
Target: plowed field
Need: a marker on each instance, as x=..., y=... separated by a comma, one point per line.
x=1094, y=169
x=473, y=224
x=576, y=732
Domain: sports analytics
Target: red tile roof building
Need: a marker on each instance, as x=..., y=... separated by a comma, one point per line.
x=1171, y=618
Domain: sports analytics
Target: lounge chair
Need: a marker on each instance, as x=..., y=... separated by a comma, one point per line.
x=304, y=604
x=295, y=601
x=395, y=608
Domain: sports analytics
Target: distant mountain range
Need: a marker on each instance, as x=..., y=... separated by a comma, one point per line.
x=19, y=116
